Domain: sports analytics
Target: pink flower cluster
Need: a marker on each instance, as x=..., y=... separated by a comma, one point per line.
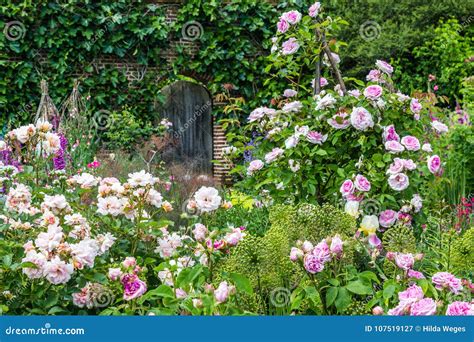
x=412, y=302
x=133, y=286
x=314, y=258
x=445, y=280
x=354, y=190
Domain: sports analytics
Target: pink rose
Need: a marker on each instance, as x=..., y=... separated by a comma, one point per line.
x=347, y=188
x=439, y=127
x=254, y=165
x=445, y=280
x=322, y=252
x=290, y=93
x=384, y=66
x=361, y=183
x=394, y=146
x=399, y=181
x=460, y=309
x=336, y=245
x=423, y=307
x=415, y=274
x=411, y=143
x=387, y=218
x=404, y=261
x=377, y=311
x=361, y=119
x=373, y=92
x=290, y=46
x=307, y=247
x=316, y=137
x=339, y=121
x=415, y=106
x=374, y=75
x=222, y=292
x=283, y=26
x=390, y=134
x=312, y=264
x=314, y=9
x=354, y=93
x=411, y=294
x=396, y=166
x=273, y=155
x=200, y=231
x=114, y=273
x=296, y=254
x=133, y=287
x=180, y=293
x=129, y=262
x=292, y=17
x=409, y=164
x=434, y=164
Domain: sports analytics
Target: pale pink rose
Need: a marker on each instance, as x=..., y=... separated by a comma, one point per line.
x=180, y=293
x=290, y=46
x=409, y=164
x=254, y=165
x=339, y=121
x=416, y=202
x=316, y=137
x=460, y=309
x=307, y=247
x=387, y=218
x=273, y=155
x=361, y=183
x=296, y=254
x=361, y=119
x=423, y=307
x=373, y=92
x=292, y=17
x=415, y=274
x=411, y=294
x=291, y=142
x=415, y=106
x=233, y=238
x=400, y=310
x=347, y=188
x=39, y=259
x=434, y=164
x=399, y=182
x=354, y=93
x=445, y=280
x=129, y=262
x=57, y=271
x=404, y=261
x=397, y=166
x=336, y=245
x=222, y=292
x=327, y=101
x=200, y=232
x=283, y=26
x=427, y=148
x=260, y=113
x=394, y=146
x=439, y=127
x=314, y=9
x=114, y=273
x=292, y=107
x=290, y=93
x=411, y=143
x=390, y=134
x=384, y=66
x=377, y=311
x=374, y=75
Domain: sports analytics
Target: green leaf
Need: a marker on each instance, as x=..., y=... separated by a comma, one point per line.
x=389, y=290
x=331, y=295
x=343, y=299
x=359, y=288
x=242, y=283
x=333, y=282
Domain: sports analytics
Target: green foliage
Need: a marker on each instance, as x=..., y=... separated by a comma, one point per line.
x=399, y=238
x=312, y=222
x=444, y=55
x=463, y=253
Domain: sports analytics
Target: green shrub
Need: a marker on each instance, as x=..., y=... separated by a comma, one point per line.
x=463, y=253
x=399, y=238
